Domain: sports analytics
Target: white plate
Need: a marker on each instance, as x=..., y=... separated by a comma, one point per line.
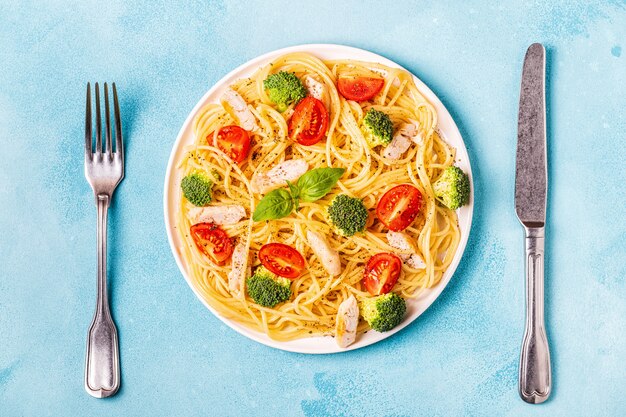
x=448, y=130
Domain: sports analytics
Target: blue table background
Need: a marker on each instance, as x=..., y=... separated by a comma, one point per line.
x=459, y=358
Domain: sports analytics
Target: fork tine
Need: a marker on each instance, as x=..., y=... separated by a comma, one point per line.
x=119, y=145
x=98, y=124
x=107, y=118
x=88, y=123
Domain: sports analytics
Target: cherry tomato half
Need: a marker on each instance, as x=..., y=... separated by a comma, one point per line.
x=212, y=241
x=282, y=260
x=309, y=122
x=359, y=88
x=234, y=141
x=399, y=206
x=381, y=273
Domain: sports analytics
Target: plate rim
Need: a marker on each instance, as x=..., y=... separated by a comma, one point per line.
x=431, y=295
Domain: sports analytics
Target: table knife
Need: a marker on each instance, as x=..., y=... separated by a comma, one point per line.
x=531, y=188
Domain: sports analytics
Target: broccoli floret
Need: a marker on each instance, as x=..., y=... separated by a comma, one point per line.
x=453, y=188
x=197, y=188
x=384, y=312
x=347, y=214
x=268, y=289
x=378, y=128
x=284, y=88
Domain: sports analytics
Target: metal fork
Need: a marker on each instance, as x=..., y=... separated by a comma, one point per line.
x=104, y=169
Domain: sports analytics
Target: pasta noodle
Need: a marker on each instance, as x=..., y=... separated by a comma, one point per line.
x=316, y=296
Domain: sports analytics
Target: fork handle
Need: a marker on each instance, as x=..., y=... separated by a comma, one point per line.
x=102, y=369
x=534, y=373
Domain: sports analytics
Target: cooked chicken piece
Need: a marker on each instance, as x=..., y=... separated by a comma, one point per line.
x=291, y=170
x=325, y=253
x=347, y=322
x=414, y=261
x=239, y=265
x=317, y=89
x=398, y=146
x=407, y=249
x=229, y=214
x=414, y=132
x=406, y=133
x=418, y=139
x=237, y=107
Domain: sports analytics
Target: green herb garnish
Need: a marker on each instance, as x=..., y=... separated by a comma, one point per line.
x=310, y=187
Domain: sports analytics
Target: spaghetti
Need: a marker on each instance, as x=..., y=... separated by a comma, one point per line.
x=316, y=296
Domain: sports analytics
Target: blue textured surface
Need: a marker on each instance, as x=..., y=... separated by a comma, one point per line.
x=459, y=358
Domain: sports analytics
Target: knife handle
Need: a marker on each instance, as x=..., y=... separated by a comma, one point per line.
x=535, y=381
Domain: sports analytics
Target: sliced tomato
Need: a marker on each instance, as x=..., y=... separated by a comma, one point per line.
x=282, y=260
x=359, y=88
x=381, y=273
x=309, y=122
x=212, y=241
x=234, y=141
x=399, y=206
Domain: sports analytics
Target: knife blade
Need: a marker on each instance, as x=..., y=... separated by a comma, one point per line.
x=531, y=176
x=531, y=186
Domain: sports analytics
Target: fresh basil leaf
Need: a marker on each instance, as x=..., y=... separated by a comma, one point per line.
x=275, y=205
x=318, y=182
x=293, y=188
x=295, y=193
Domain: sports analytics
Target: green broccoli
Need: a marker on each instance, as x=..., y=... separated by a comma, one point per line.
x=197, y=188
x=284, y=88
x=384, y=312
x=347, y=214
x=453, y=188
x=378, y=128
x=268, y=289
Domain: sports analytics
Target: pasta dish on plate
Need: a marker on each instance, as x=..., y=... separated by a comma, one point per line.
x=317, y=197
